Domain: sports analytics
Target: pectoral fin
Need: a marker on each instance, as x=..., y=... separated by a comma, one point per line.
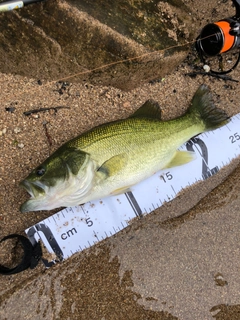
x=113, y=165
x=180, y=158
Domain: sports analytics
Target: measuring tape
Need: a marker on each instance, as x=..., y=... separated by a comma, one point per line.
x=76, y=228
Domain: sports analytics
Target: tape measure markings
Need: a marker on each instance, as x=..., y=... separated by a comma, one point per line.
x=134, y=203
x=74, y=229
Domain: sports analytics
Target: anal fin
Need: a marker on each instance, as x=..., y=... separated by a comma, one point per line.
x=180, y=158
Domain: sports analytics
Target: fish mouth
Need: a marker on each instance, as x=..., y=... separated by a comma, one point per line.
x=35, y=189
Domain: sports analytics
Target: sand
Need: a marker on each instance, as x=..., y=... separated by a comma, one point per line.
x=162, y=266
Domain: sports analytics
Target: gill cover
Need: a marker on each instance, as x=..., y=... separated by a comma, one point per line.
x=66, y=175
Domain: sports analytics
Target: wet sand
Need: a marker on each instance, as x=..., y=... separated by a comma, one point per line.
x=180, y=262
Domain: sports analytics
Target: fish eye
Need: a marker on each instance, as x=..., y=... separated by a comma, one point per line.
x=40, y=171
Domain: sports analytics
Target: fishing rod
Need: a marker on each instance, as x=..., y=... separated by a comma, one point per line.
x=15, y=4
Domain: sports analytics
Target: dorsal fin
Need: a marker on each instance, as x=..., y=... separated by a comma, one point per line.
x=150, y=109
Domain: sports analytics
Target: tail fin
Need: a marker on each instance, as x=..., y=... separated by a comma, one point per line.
x=203, y=109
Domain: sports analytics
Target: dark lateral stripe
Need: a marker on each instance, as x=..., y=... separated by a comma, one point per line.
x=134, y=204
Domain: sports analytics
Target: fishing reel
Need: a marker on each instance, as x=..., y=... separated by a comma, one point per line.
x=220, y=37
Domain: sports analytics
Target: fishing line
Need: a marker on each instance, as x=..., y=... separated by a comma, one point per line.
x=130, y=59
x=105, y=66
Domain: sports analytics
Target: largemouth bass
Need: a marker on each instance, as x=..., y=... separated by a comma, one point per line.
x=114, y=156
